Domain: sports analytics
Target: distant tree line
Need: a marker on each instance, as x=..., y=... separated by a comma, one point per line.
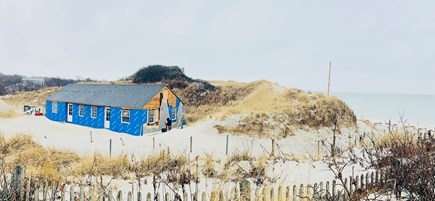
x=13, y=83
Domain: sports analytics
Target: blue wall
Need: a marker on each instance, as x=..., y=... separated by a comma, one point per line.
x=135, y=127
x=61, y=111
x=86, y=119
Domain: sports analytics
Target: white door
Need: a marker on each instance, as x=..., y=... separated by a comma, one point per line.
x=107, y=117
x=70, y=113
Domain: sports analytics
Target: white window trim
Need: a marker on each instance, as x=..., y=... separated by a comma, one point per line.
x=81, y=108
x=92, y=112
x=53, y=106
x=122, y=116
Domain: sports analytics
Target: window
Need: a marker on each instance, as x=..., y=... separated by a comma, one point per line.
x=93, y=112
x=54, y=107
x=151, y=119
x=70, y=109
x=107, y=114
x=81, y=110
x=125, y=116
x=173, y=114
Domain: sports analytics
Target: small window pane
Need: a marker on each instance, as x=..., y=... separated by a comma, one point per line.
x=81, y=110
x=94, y=112
x=151, y=116
x=54, y=107
x=125, y=116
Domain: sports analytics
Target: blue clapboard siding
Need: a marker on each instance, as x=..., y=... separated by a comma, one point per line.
x=60, y=115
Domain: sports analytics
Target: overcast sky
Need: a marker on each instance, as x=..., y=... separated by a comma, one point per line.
x=374, y=46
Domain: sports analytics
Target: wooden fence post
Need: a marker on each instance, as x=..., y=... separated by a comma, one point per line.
x=362, y=181
x=226, y=146
x=257, y=195
x=372, y=179
x=110, y=148
x=272, y=153
x=190, y=144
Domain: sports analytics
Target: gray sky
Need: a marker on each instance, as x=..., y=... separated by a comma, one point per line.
x=374, y=46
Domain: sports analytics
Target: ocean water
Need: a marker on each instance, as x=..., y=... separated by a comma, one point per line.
x=417, y=110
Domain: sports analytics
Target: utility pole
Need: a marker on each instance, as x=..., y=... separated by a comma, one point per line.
x=329, y=78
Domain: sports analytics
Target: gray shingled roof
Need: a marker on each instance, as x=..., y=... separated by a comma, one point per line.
x=132, y=96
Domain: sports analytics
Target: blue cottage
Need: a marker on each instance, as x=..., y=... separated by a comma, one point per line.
x=132, y=109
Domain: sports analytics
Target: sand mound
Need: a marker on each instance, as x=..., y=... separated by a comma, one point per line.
x=264, y=108
x=36, y=98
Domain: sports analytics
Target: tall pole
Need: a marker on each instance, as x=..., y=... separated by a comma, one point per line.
x=329, y=78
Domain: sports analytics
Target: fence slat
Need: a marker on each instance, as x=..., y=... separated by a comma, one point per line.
x=71, y=193
x=321, y=190
x=334, y=186
x=295, y=192
x=203, y=196
x=265, y=194
x=279, y=195
x=301, y=192
x=272, y=194
x=82, y=193
x=129, y=196
x=36, y=193
x=29, y=184
x=119, y=196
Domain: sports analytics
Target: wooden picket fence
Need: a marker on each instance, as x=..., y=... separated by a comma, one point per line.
x=28, y=189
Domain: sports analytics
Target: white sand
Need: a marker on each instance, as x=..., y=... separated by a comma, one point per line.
x=205, y=140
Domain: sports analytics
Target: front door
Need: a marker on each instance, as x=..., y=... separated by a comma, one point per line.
x=107, y=117
x=70, y=113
